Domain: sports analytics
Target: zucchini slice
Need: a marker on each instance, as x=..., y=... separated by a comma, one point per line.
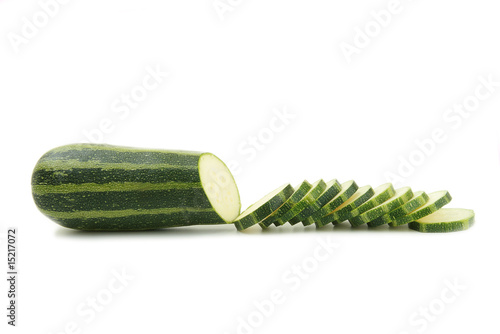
x=382, y=193
x=349, y=188
x=313, y=194
x=401, y=196
x=419, y=198
x=333, y=187
x=263, y=208
x=338, y=215
x=436, y=201
x=299, y=193
x=444, y=220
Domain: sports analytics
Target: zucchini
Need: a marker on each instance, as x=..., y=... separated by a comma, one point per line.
x=444, y=220
x=318, y=187
x=333, y=187
x=263, y=208
x=419, y=198
x=98, y=187
x=401, y=196
x=436, y=201
x=339, y=215
x=111, y=188
x=348, y=190
x=298, y=194
x=381, y=194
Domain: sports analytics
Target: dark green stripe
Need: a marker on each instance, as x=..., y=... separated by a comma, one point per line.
x=111, y=154
x=100, y=176
x=441, y=227
x=142, y=222
x=121, y=200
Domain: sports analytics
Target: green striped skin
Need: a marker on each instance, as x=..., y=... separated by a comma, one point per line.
x=401, y=196
x=298, y=194
x=342, y=213
x=308, y=221
x=381, y=194
x=436, y=201
x=313, y=194
x=333, y=187
x=419, y=198
x=359, y=197
x=349, y=188
x=108, y=188
x=444, y=220
x=263, y=208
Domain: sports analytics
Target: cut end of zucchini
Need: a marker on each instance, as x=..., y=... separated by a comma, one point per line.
x=219, y=186
x=445, y=220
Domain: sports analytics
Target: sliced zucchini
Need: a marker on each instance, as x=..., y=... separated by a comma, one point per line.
x=313, y=194
x=401, y=196
x=338, y=215
x=444, y=220
x=419, y=198
x=349, y=188
x=381, y=194
x=299, y=193
x=263, y=208
x=436, y=201
x=333, y=187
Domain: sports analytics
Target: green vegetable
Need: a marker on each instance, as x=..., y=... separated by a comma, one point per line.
x=444, y=220
x=419, y=198
x=333, y=187
x=104, y=187
x=348, y=190
x=263, y=208
x=401, y=196
x=299, y=193
x=313, y=194
x=436, y=201
x=381, y=194
x=340, y=214
x=98, y=187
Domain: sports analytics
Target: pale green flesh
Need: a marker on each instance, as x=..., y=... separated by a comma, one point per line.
x=219, y=186
x=447, y=216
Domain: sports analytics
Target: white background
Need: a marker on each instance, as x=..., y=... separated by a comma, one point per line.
x=352, y=120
